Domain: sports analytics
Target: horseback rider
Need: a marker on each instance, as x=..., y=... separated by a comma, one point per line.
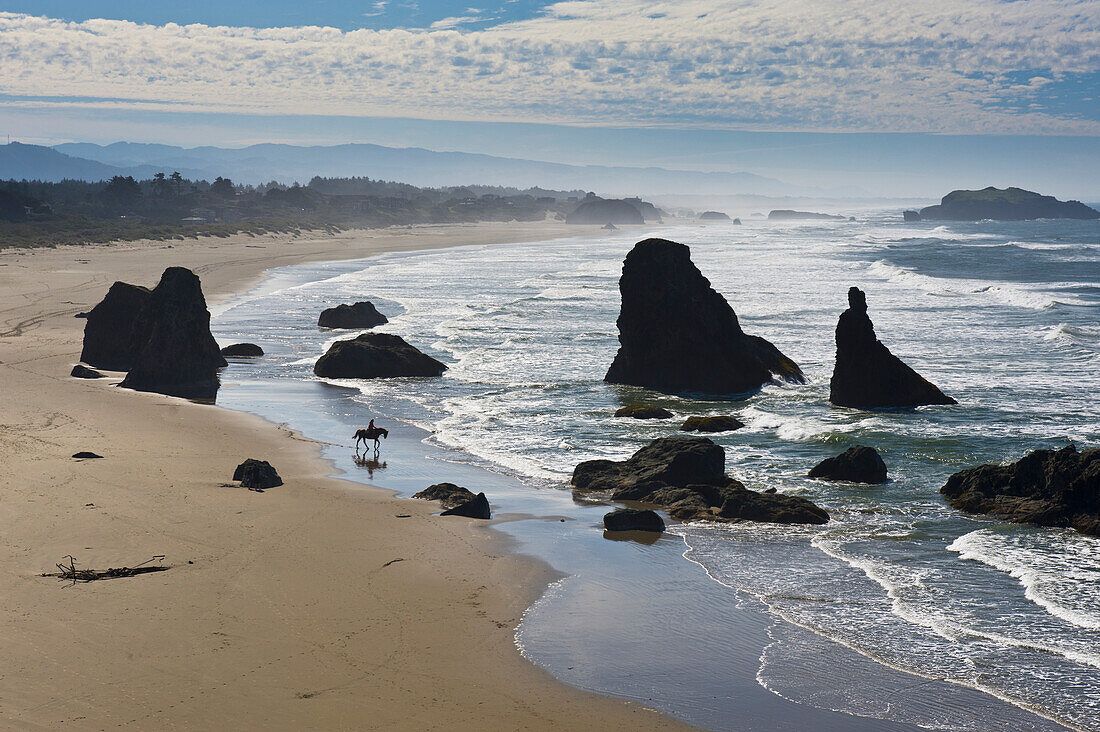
x=371, y=426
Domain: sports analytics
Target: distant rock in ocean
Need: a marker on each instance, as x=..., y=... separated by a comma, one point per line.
x=1007, y=204
x=643, y=411
x=677, y=335
x=737, y=221
x=375, y=356
x=359, y=315
x=108, y=334
x=866, y=374
x=859, y=464
x=605, y=211
x=714, y=423
x=788, y=215
x=174, y=352
x=687, y=475
x=910, y=216
x=1045, y=487
x=713, y=216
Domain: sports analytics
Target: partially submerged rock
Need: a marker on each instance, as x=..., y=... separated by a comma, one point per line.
x=866, y=374
x=257, y=475
x=375, y=356
x=359, y=315
x=643, y=411
x=687, y=475
x=242, y=350
x=448, y=494
x=632, y=519
x=678, y=335
x=477, y=507
x=859, y=464
x=716, y=423
x=1045, y=487
x=174, y=352
x=109, y=333
x=910, y=216
x=81, y=371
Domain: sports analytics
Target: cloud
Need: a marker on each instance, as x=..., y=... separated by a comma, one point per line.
x=867, y=65
x=379, y=9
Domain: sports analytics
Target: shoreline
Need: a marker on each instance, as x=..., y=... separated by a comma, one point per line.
x=280, y=610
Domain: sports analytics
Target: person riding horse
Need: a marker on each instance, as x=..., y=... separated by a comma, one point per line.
x=370, y=433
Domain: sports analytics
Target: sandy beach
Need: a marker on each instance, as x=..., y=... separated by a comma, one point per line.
x=310, y=606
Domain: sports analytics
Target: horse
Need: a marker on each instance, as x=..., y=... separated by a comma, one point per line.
x=365, y=435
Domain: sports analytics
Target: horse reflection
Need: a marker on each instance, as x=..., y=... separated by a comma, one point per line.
x=369, y=461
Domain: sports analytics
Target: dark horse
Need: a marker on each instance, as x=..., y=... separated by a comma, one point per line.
x=365, y=435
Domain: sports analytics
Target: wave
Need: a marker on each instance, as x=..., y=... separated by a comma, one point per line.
x=1013, y=296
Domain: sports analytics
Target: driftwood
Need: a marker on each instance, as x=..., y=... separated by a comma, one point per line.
x=70, y=572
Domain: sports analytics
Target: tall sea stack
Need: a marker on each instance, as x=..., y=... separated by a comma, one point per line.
x=678, y=335
x=108, y=334
x=867, y=375
x=173, y=350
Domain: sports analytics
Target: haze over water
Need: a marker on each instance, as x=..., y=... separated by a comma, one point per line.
x=1001, y=316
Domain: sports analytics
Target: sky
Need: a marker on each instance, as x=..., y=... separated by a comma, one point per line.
x=895, y=96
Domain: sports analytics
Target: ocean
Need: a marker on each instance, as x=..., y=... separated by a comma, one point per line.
x=1002, y=316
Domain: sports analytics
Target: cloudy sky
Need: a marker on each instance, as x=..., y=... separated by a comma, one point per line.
x=867, y=89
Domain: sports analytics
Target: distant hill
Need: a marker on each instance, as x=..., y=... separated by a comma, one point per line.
x=36, y=162
x=289, y=163
x=1007, y=204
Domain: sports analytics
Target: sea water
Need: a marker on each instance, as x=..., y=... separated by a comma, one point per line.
x=1001, y=316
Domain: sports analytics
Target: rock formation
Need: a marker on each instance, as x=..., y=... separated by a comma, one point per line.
x=84, y=455
x=866, y=374
x=1007, y=204
x=717, y=423
x=632, y=519
x=643, y=411
x=257, y=475
x=359, y=315
x=859, y=464
x=1045, y=487
x=174, y=352
x=448, y=494
x=477, y=507
x=242, y=350
x=910, y=216
x=788, y=215
x=713, y=216
x=83, y=372
x=737, y=221
x=605, y=211
x=374, y=356
x=687, y=475
x=678, y=335
x=108, y=334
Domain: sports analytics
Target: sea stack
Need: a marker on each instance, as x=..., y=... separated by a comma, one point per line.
x=173, y=350
x=677, y=335
x=866, y=374
x=108, y=334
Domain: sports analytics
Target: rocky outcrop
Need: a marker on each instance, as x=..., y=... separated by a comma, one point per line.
x=257, y=475
x=713, y=216
x=83, y=372
x=108, y=334
x=375, y=356
x=605, y=211
x=678, y=335
x=910, y=216
x=448, y=494
x=867, y=375
x=643, y=411
x=687, y=475
x=716, y=423
x=174, y=352
x=477, y=507
x=788, y=215
x=1005, y=204
x=1045, y=487
x=632, y=519
x=242, y=350
x=737, y=221
x=859, y=464
x=359, y=315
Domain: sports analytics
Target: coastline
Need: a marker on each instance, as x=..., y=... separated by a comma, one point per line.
x=280, y=610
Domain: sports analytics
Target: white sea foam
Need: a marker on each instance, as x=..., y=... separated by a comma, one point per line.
x=1012, y=295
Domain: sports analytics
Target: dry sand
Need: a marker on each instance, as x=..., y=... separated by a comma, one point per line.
x=282, y=610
